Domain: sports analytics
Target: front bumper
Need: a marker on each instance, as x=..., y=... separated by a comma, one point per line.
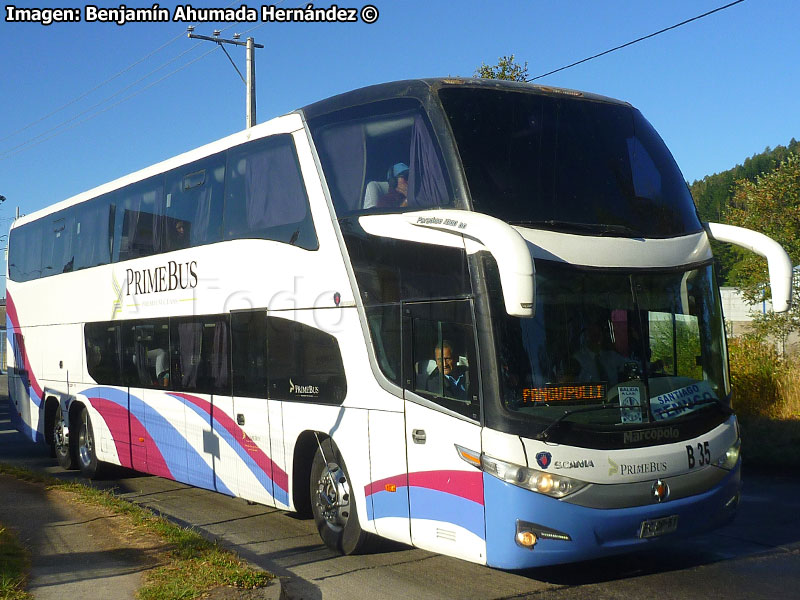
x=594, y=532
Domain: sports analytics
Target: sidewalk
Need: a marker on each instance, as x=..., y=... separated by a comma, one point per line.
x=77, y=551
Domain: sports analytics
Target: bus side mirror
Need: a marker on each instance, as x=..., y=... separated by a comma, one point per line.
x=506, y=245
x=779, y=263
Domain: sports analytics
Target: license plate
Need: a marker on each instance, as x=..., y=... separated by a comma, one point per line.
x=656, y=527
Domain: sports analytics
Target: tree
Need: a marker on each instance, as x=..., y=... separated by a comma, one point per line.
x=506, y=68
x=769, y=204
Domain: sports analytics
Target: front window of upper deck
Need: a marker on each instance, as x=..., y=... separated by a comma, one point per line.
x=566, y=163
x=381, y=157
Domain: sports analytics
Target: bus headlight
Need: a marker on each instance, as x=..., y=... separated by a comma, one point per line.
x=556, y=486
x=731, y=457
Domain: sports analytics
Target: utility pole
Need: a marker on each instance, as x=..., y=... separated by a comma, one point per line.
x=250, y=82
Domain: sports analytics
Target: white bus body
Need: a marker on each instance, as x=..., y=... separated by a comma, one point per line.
x=262, y=317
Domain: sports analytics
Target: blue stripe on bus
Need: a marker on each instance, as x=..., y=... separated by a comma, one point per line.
x=434, y=505
x=263, y=478
x=177, y=459
x=388, y=504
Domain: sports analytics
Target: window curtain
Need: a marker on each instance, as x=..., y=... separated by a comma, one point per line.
x=426, y=183
x=219, y=356
x=190, y=338
x=344, y=149
x=273, y=188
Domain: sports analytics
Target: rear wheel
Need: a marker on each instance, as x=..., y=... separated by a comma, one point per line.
x=333, y=504
x=87, y=457
x=61, y=442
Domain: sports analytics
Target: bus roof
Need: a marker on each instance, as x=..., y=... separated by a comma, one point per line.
x=411, y=88
x=421, y=88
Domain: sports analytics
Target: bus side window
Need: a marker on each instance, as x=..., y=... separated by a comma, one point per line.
x=193, y=203
x=364, y=148
x=139, y=228
x=25, y=257
x=384, y=328
x=265, y=197
x=103, y=352
x=249, y=353
x=145, y=353
x=93, y=232
x=57, y=256
x=444, y=367
x=304, y=363
x=200, y=356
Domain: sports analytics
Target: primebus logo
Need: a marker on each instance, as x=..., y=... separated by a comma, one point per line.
x=172, y=276
x=303, y=390
x=651, y=435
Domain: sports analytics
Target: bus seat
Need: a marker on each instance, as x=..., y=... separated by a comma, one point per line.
x=375, y=189
x=426, y=367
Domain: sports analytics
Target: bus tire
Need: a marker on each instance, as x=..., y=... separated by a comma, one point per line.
x=333, y=504
x=87, y=456
x=61, y=446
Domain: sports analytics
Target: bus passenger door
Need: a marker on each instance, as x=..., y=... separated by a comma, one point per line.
x=255, y=468
x=442, y=406
x=256, y=418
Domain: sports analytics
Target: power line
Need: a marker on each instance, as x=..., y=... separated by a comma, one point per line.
x=11, y=152
x=97, y=104
x=101, y=84
x=98, y=86
x=711, y=12
x=86, y=93
x=38, y=139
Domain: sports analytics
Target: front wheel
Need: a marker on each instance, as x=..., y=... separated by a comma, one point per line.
x=333, y=504
x=61, y=444
x=87, y=456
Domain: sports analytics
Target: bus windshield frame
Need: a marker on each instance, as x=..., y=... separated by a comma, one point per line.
x=616, y=349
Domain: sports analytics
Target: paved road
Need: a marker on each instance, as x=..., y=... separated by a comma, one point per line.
x=758, y=556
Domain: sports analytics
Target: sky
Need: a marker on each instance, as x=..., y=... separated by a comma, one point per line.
x=85, y=103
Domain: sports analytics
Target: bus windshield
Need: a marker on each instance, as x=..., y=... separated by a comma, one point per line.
x=640, y=347
x=567, y=163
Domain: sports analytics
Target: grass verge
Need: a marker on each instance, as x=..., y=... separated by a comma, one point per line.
x=14, y=565
x=192, y=566
x=766, y=398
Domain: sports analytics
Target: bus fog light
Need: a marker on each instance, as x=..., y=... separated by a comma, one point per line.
x=526, y=539
x=529, y=534
x=731, y=457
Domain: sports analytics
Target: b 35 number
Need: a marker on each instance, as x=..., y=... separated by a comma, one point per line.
x=701, y=458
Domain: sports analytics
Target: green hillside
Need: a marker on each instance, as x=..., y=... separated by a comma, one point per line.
x=713, y=193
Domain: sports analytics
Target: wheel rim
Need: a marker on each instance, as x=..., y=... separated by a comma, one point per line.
x=58, y=434
x=85, y=442
x=333, y=496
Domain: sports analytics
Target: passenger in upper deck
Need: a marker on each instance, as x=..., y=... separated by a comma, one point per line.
x=397, y=196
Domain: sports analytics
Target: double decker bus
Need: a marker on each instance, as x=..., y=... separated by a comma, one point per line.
x=478, y=317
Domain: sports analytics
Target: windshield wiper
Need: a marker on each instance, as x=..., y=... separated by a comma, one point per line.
x=543, y=435
x=602, y=229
